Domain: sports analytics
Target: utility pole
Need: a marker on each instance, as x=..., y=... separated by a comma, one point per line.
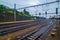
x=39, y=14
x=4, y=13
x=14, y=12
x=58, y=3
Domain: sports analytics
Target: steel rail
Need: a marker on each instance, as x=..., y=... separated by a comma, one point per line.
x=14, y=29
x=29, y=35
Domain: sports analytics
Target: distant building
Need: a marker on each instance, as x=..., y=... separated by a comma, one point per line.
x=56, y=17
x=38, y=18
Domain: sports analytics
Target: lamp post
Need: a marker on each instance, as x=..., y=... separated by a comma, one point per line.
x=39, y=14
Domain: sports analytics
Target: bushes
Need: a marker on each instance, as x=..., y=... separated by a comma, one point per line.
x=7, y=14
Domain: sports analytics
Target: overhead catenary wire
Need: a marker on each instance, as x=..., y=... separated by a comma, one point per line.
x=39, y=5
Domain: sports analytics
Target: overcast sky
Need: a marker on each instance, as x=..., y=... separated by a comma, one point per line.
x=25, y=3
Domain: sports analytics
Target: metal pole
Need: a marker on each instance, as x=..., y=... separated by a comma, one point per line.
x=36, y=11
x=14, y=12
x=39, y=14
x=4, y=14
x=57, y=7
x=58, y=3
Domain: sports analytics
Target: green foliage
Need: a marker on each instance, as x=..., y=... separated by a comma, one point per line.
x=20, y=14
x=2, y=7
x=11, y=11
x=27, y=14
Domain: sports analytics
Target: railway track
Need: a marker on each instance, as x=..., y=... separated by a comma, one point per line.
x=2, y=26
x=15, y=27
x=11, y=28
x=39, y=32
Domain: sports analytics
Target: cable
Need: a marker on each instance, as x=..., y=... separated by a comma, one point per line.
x=40, y=4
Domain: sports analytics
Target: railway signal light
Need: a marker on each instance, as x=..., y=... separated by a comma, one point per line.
x=46, y=13
x=56, y=10
x=39, y=13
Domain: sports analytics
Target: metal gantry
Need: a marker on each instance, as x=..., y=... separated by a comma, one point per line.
x=39, y=5
x=57, y=1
